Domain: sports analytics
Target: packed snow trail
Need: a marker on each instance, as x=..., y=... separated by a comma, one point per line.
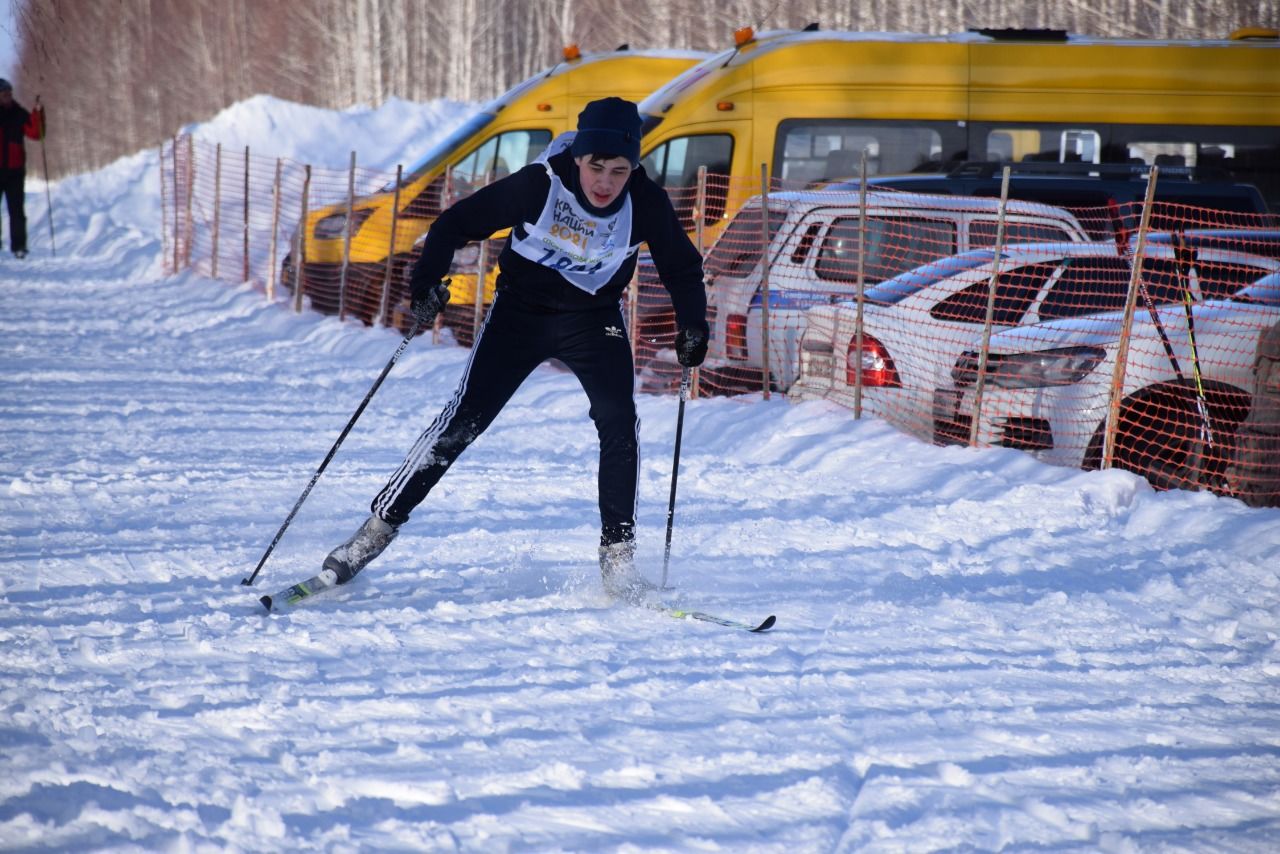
x=974, y=651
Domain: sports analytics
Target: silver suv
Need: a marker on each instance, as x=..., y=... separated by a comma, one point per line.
x=813, y=259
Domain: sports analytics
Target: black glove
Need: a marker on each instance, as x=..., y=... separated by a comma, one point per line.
x=691, y=347
x=430, y=300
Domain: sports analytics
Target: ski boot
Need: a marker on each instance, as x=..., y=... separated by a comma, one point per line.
x=618, y=572
x=348, y=559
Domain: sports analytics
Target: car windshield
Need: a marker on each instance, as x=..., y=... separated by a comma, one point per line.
x=738, y=249
x=444, y=148
x=892, y=291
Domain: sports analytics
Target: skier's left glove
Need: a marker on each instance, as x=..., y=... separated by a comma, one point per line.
x=691, y=346
x=430, y=300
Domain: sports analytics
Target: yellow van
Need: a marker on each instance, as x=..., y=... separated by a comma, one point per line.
x=503, y=135
x=809, y=103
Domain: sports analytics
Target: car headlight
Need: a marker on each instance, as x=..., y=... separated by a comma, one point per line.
x=334, y=226
x=1064, y=366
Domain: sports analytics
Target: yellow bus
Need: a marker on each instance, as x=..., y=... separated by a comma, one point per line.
x=809, y=103
x=503, y=135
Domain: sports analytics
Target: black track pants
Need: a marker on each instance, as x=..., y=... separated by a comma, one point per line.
x=11, y=187
x=514, y=340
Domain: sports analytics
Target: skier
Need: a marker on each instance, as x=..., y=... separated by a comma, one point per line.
x=15, y=123
x=577, y=215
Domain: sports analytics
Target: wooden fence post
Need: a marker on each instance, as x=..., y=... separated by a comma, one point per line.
x=176, y=227
x=299, y=256
x=275, y=237
x=191, y=191
x=245, y=276
x=1122, y=352
x=217, y=204
x=384, y=305
x=980, y=382
x=346, y=239
x=862, y=293
x=764, y=278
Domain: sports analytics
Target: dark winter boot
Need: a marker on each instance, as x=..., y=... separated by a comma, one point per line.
x=365, y=544
x=618, y=572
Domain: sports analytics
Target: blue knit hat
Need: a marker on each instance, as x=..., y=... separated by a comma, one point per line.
x=5, y=85
x=610, y=126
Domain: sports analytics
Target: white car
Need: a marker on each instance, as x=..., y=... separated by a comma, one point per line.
x=917, y=324
x=1047, y=387
x=813, y=259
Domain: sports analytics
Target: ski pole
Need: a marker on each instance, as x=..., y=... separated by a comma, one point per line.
x=675, y=472
x=419, y=322
x=1184, y=255
x=44, y=162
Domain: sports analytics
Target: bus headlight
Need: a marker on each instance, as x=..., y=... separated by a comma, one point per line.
x=334, y=226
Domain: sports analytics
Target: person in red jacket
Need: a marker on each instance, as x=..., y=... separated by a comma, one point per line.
x=15, y=123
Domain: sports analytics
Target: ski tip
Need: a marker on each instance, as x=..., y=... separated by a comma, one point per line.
x=266, y=603
x=766, y=625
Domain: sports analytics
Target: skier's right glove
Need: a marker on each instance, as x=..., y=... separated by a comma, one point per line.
x=691, y=346
x=430, y=300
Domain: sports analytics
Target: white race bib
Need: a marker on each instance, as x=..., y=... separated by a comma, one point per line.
x=586, y=249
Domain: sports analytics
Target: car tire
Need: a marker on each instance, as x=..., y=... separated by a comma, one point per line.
x=1160, y=437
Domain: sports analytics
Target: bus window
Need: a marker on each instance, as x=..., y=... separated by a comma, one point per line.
x=1079, y=146
x=1055, y=144
x=674, y=167
x=497, y=157
x=471, y=172
x=519, y=148
x=813, y=150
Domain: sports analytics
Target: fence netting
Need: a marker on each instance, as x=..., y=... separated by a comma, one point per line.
x=1090, y=337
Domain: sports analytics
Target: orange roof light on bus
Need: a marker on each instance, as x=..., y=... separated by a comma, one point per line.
x=1254, y=33
x=743, y=35
x=571, y=53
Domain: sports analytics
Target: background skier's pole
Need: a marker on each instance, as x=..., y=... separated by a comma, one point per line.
x=44, y=162
x=675, y=472
x=419, y=322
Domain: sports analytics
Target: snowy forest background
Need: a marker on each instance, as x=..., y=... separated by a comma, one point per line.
x=121, y=75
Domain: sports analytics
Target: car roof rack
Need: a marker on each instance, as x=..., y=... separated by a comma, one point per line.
x=991, y=168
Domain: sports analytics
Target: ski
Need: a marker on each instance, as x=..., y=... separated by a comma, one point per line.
x=682, y=614
x=291, y=596
x=327, y=579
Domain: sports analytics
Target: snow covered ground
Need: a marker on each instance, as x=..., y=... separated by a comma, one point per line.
x=974, y=651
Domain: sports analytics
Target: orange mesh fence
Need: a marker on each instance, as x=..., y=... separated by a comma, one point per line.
x=234, y=215
x=879, y=300
x=1143, y=351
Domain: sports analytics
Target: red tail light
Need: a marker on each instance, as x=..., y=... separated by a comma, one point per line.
x=877, y=367
x=735, y=336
